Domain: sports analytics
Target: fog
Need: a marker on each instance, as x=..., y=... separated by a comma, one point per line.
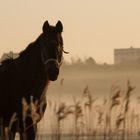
x=99, y=79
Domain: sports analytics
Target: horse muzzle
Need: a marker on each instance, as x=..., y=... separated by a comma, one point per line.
x=53, y=73
x=52, y=69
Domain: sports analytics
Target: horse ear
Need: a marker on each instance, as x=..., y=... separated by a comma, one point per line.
x=45, y=26
x=59, y=26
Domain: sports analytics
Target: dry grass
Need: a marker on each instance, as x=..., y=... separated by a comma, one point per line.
x=114, y=116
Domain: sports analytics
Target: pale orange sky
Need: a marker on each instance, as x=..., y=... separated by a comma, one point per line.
x=91, y=27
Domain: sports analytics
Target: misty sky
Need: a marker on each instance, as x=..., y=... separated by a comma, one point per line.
x=91, y=27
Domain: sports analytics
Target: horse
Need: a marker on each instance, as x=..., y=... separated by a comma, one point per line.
x=24, y=81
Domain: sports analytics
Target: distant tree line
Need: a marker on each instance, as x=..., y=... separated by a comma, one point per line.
x=77, y=61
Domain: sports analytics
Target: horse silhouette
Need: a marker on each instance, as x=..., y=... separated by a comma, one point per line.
x=24, y=80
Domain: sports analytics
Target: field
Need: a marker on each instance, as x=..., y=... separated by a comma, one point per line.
x=99, y=101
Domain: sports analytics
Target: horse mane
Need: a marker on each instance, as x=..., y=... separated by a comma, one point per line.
x=10, y=59
x=26, y=51
x=23, y=54
x=7, y=60
x=29, y=48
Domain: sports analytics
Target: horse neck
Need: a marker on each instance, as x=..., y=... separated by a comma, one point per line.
x=31, y=70
x=30, y=59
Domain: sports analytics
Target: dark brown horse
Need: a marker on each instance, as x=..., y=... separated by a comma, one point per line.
x=23, y=82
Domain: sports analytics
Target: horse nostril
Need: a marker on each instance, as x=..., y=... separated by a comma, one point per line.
x=55, y=71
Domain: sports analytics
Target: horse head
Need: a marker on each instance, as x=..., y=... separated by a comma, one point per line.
x=52, y=49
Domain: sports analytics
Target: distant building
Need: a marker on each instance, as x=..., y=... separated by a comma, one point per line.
x=126, y=55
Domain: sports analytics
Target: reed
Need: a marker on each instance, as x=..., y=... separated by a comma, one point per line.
x=89, y=108
x=114, y=116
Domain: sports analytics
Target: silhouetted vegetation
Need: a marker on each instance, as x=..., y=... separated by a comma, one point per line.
x=89, y=117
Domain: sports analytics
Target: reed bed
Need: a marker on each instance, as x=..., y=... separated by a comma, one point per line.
x=89, y=117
